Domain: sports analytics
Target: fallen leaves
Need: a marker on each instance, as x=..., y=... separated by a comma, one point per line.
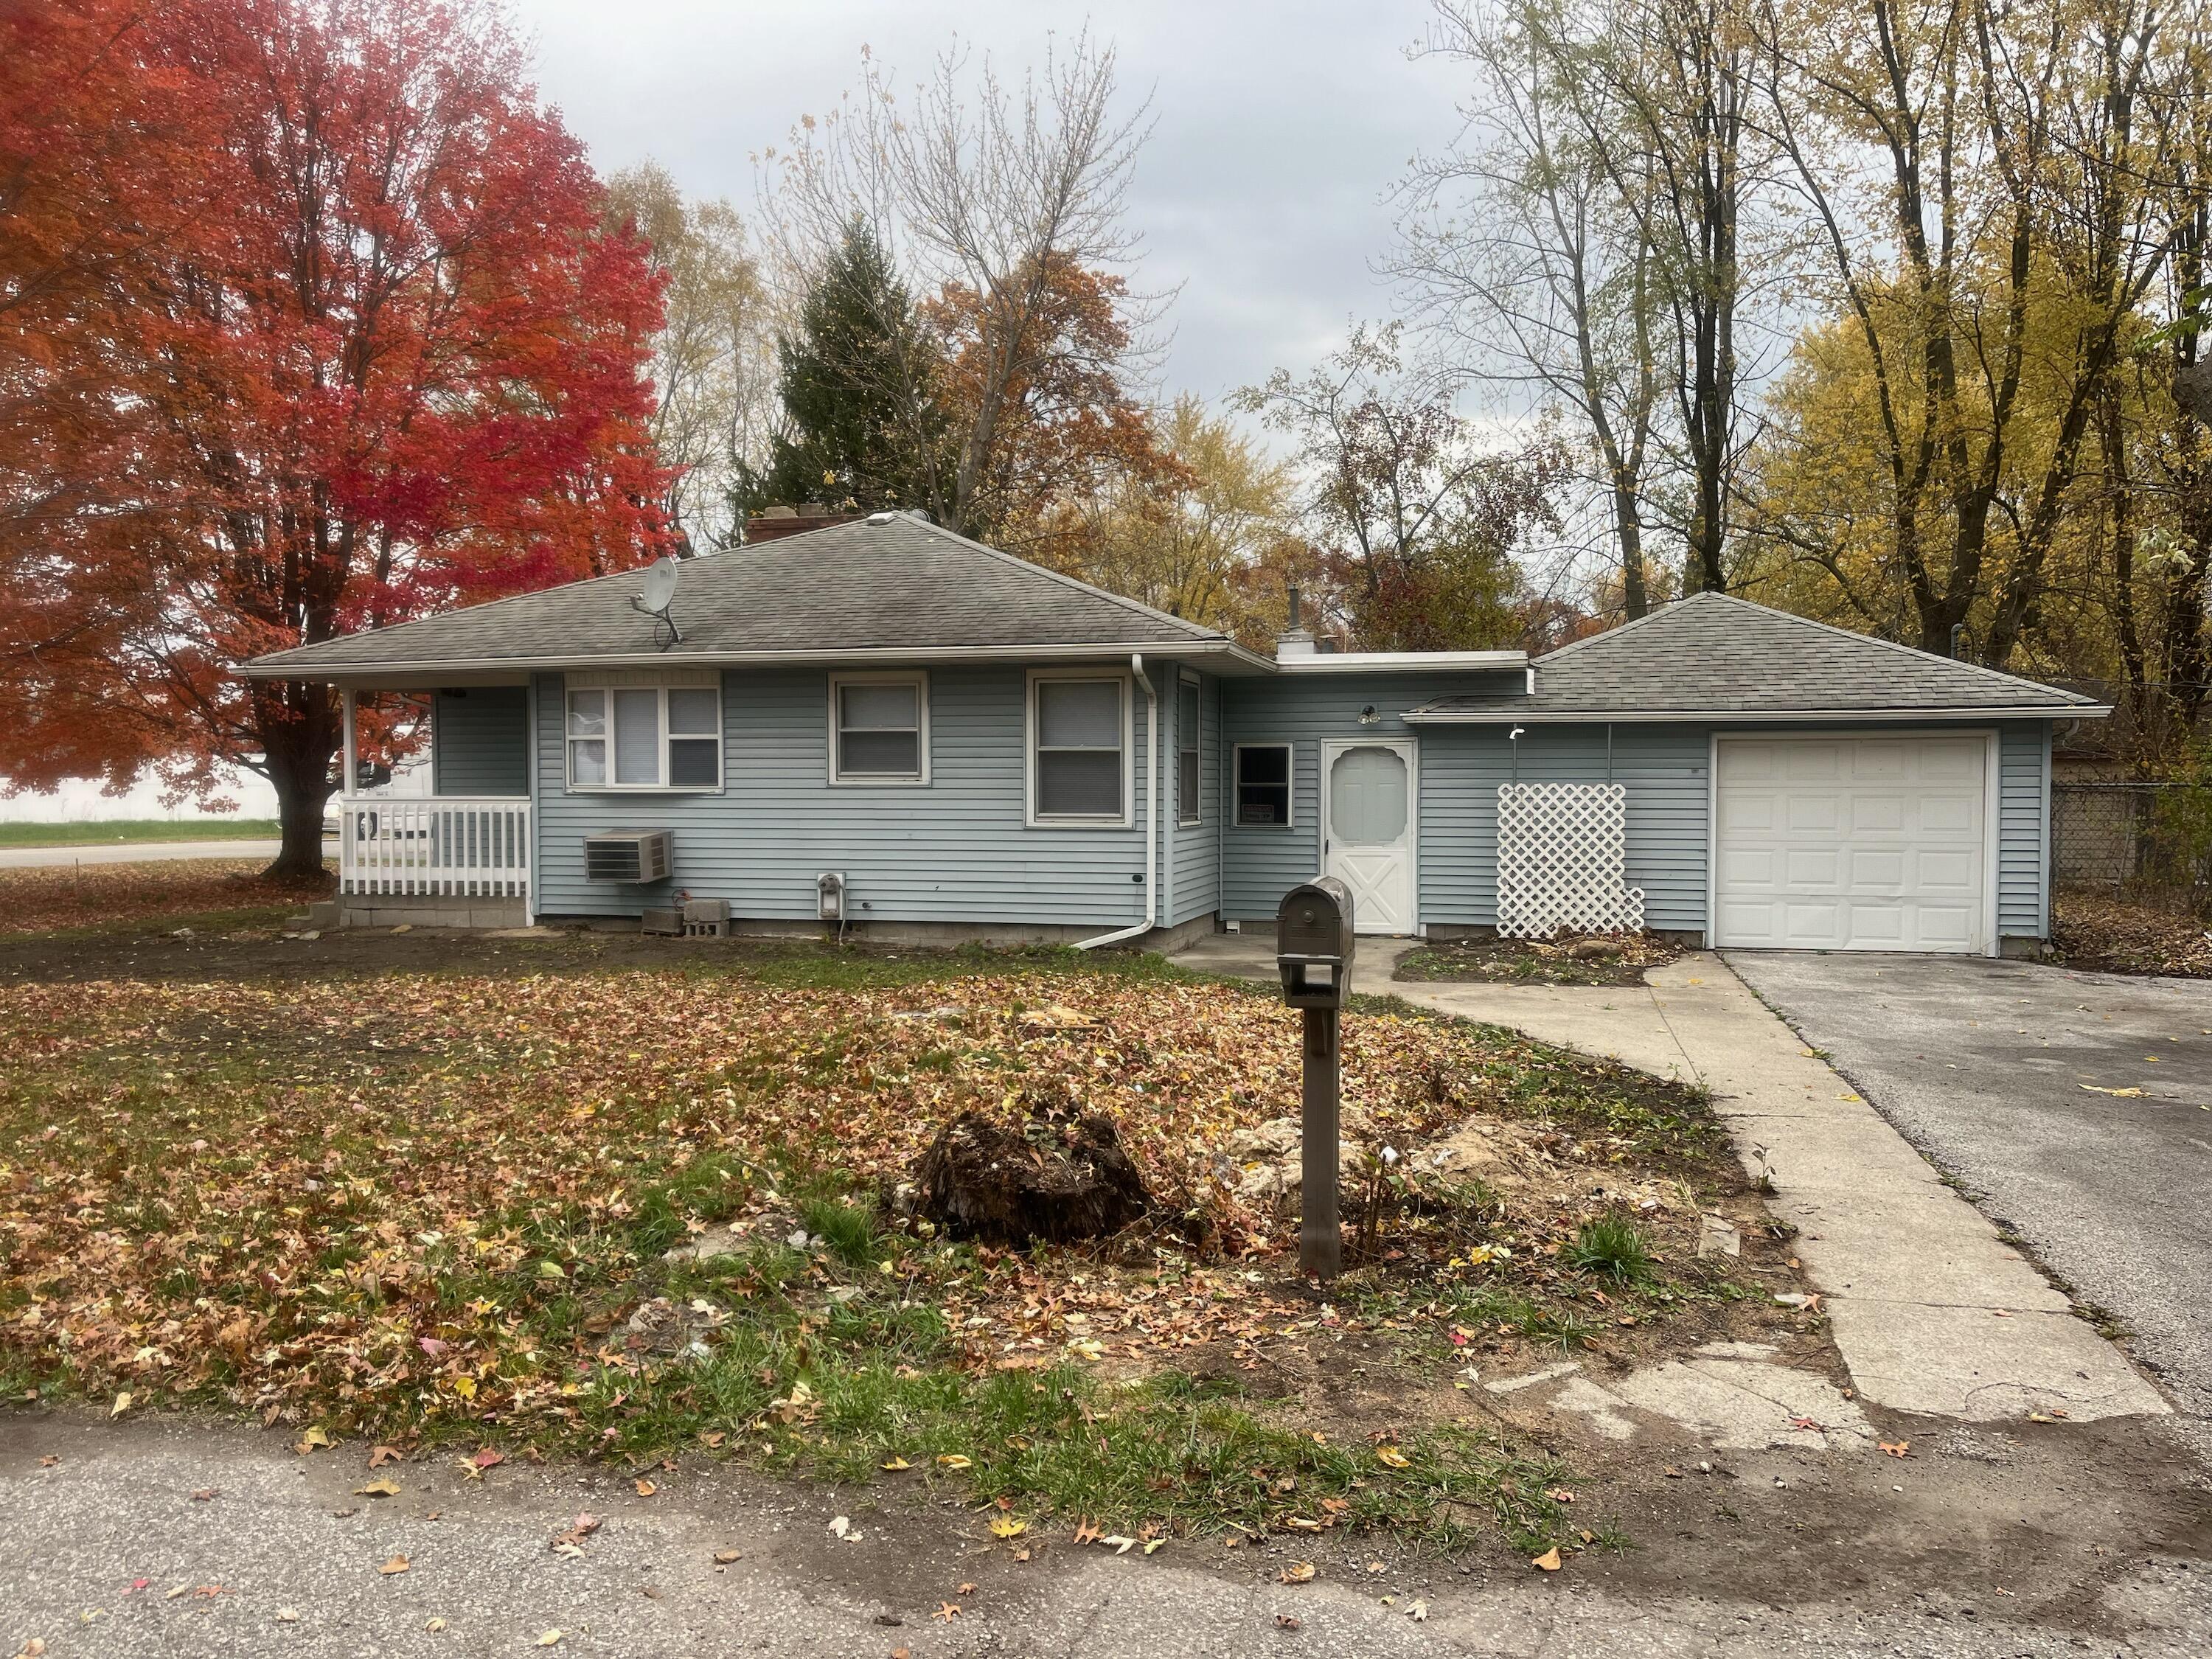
x=1896, y=1448
x=1007, y=1526
x=1299, y=1572
x=1548, y=1561
x=1391, y=1457
x=571, y=1541
x=383, y=1486
x=395, y=1565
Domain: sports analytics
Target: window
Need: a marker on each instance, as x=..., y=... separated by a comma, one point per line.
x=644, y=736
x=1263, y=785
x=1188, y=731
x=1078, y=748
x=881, y=728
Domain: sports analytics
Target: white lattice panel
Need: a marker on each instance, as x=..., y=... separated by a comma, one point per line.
x=1562, y=860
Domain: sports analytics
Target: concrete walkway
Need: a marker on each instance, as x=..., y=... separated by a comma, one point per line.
x=1932, y=1312
x=132, y=852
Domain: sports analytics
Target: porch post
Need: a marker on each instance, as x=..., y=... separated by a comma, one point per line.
x=348, y=772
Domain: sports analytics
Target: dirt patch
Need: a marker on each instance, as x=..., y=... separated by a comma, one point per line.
x=2110, y=935
x=1569, y=959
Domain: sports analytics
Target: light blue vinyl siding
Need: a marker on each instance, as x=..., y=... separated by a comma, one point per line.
x=1260, y=864
x=480, y=741
x=955, y=850
x=1663, y=771
x=2023, y=828
x=1194, y=887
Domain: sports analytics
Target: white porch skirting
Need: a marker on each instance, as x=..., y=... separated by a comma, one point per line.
x=435, y=847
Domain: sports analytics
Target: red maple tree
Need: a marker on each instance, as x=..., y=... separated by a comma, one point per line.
x=387, y=359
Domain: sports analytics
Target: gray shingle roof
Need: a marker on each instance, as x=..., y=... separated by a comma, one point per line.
x=1713, y=654
x=905, y=586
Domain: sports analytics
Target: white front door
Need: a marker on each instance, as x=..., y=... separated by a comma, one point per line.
x=1858, y=841
x=1367, y=829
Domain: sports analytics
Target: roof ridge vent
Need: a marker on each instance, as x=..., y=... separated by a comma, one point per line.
x=882, y=518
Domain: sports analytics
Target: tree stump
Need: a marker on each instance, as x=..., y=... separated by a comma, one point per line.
x=980, y=1180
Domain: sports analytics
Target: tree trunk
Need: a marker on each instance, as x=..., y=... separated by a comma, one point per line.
x=297, y=723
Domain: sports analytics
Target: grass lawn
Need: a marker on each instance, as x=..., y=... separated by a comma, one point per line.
x=81, y=832
x=468, y=1207
x=94, y=898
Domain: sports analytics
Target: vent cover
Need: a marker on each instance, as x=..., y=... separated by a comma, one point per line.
x=629, y=855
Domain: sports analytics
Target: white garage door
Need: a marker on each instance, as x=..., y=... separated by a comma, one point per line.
x=1851, y=843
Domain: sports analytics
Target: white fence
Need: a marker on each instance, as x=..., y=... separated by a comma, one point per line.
x=440, y=847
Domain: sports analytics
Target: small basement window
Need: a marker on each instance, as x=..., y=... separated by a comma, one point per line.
x=644, y=736
x=1079, y=747
x=882, y=728
x=1263, y=785
x=1187, y=739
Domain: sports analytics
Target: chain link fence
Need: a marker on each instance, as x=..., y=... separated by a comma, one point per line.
x=2131, y=839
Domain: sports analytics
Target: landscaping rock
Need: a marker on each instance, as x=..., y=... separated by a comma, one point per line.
x=982, y=1180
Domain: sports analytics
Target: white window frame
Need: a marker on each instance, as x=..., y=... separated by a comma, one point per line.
x=1032, y=818
x=644, y=680
x=918, y=678
x=1196, y=747
x=1237, y=785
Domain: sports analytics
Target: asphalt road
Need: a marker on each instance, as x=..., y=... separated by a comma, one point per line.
x=2004, y=1074
x=132, y=852
x=143, y=1538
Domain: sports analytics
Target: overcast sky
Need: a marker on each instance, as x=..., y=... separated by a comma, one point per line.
x=1281, y=123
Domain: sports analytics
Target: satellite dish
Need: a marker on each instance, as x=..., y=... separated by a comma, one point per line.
x=659, y=593
x=659, y=586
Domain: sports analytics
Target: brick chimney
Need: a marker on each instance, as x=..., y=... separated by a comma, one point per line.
x=773, y=523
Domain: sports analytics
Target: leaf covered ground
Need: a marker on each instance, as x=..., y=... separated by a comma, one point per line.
x=469, y=1208
x=1570, y=959
x=98, y=896
x=2109, y=934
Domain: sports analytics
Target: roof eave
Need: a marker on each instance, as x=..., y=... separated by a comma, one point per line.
x=1229, y=657
x=1404, y=662
x=1740, y=716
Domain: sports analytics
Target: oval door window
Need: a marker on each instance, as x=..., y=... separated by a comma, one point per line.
x=1367, y=798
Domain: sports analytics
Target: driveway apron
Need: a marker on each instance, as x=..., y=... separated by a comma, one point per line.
x=1932, y=1311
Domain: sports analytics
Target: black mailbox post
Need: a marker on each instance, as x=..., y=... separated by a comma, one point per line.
x=1314, y=952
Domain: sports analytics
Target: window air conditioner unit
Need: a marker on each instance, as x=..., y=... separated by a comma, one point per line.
x=630, y=855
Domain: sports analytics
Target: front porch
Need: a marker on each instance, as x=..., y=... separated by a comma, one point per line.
x=435, y=861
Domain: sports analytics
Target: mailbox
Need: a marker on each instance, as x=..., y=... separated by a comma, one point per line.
x=1313, y=943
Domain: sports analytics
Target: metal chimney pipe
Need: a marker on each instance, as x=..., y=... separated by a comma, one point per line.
x=1294, y=605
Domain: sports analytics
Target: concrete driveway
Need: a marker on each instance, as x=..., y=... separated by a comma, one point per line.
x=2004, y=1074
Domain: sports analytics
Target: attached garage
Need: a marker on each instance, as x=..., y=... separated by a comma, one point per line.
x=1877, y=841
x=1781, y=785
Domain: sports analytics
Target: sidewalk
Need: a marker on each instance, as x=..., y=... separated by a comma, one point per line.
x=1931, y=1310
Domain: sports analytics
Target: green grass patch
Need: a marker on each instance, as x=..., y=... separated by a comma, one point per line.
x=1611, y=1246
x=90, y=831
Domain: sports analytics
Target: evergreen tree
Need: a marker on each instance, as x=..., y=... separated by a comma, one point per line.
x=857, y=385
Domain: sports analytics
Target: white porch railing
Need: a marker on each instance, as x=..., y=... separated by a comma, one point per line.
x=437, y=846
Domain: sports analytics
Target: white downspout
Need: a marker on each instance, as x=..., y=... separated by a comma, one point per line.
x=1152, y=817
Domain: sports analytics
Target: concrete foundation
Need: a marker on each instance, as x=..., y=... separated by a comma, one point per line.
x=385, y=910
x=940, y=934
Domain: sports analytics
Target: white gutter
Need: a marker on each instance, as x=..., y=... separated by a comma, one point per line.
x=1152, y=816
x=371, y=676
x=1402, y=662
